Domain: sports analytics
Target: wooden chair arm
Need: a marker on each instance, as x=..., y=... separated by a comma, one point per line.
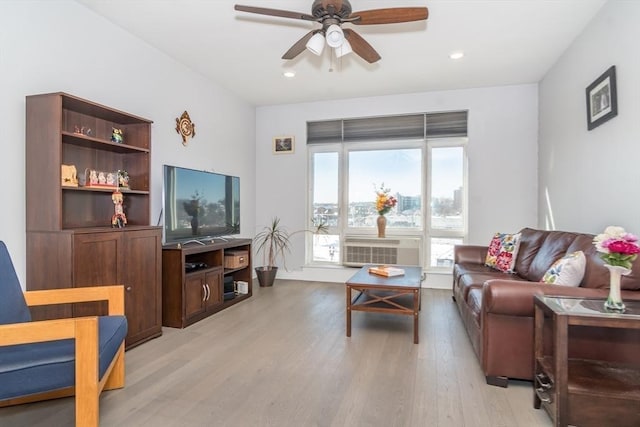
x=114, y=294
x=45, y=330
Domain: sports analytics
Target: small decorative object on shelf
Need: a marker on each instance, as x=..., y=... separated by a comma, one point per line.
x=82, y=130
x=123, y=179
x=117, y=136
x=101, y=179
x=384, y=203
x=93, y=177
x=185, y=127
x=69, y=176
x=119, y=219
x=618, y=249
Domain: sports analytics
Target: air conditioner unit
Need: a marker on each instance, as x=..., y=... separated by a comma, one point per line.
x=361, y=250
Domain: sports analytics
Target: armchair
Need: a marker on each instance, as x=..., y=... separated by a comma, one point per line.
x=50, y=359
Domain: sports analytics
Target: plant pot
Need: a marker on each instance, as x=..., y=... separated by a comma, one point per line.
x=266, y=275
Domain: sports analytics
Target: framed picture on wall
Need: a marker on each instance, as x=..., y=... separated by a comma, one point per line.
x=283, y=144
x=602, y=99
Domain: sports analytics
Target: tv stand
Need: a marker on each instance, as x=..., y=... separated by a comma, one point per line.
x=190, y=296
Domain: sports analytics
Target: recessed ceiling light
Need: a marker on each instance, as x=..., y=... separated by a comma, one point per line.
x=289, y=74
x=456, y=55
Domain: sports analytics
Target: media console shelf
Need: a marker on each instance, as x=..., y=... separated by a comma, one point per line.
x=190, y=295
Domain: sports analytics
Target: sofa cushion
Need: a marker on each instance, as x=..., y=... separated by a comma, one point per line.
x=503, y=251
x=530, y=242
x=567, y=271
x=476, y=280
x=554, y=247
x=27, y=369
x=13, y=307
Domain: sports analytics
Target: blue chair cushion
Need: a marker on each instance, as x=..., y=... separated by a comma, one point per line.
x=27, y=369
x=13, y=308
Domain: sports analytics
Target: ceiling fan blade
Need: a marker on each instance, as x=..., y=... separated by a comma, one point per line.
x=360, y=46
x=275, y=12
x=390, y=16
x=298, y=46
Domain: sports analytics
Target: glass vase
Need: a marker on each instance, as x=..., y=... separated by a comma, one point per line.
x=614, y=300
x=382, y=225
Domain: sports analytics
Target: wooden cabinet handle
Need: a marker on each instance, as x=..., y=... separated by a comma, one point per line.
x=128, y=289
x=204, y=293
x=208, y=291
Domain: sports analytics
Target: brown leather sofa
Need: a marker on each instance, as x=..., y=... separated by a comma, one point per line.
x=497, y=308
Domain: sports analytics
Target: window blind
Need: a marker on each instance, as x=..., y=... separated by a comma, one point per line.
x=411, y=126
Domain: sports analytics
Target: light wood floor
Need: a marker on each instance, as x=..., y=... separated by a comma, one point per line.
x=281, y=358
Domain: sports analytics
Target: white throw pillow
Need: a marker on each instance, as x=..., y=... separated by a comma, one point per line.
x=567, y=271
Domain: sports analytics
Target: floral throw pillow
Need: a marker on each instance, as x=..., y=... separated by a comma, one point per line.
x=567, y=271
x=503, y=251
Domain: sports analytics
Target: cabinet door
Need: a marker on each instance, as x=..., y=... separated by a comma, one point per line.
x=141, y=277
x=213, y=283
x=97, y=261
x=195, y=295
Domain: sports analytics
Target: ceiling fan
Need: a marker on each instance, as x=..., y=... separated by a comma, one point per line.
x=332, y=14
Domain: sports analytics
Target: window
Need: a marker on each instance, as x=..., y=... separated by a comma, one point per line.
x=400, y=170
x=447, y=219
x=325, y=195
x=350, y=159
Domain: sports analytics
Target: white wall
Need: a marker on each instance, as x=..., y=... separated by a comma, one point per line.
x=589, y=179
x=51, y=46
x=502, y=155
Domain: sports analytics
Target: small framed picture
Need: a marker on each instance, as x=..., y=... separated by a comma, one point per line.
x=283, y=144
x=602, y=99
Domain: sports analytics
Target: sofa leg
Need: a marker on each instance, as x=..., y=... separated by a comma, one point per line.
x=497, y=381
x=453, y=297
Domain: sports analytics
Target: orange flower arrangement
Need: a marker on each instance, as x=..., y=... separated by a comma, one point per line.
x=384, y=201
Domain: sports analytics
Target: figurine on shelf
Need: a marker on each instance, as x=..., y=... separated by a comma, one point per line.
x=93, y=177
x=123, y=179
x=111, y=179
x=118, y=219
x=69, y=176
x=102, y=178
x=117, y=136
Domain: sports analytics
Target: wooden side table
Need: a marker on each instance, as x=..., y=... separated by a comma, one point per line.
x=583, y=392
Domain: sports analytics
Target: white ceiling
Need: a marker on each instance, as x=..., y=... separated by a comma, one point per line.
x=505, y=42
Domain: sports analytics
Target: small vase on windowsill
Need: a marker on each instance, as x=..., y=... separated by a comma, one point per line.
x=382, y=225
x=614, y=300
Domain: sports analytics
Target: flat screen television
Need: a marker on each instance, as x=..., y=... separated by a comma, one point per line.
x=199, y=205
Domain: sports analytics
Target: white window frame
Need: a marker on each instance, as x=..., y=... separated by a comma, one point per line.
x=425, y=232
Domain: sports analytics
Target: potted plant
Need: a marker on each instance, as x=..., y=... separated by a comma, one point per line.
x=274, y=241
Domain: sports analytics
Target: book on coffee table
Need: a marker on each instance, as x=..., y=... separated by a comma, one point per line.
x=386, y=271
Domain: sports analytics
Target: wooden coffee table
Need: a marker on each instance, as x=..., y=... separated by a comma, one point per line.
x=379, y=294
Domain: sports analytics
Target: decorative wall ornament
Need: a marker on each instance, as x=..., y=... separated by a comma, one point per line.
x=185, y=127
x=602, y=99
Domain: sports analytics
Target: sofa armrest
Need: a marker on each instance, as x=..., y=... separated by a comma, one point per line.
x=515, y=298
x=469, y=254
x=113, y=294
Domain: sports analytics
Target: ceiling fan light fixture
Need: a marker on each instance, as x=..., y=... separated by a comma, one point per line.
x=315, y=44
x=344, y=49
x=335, y=36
